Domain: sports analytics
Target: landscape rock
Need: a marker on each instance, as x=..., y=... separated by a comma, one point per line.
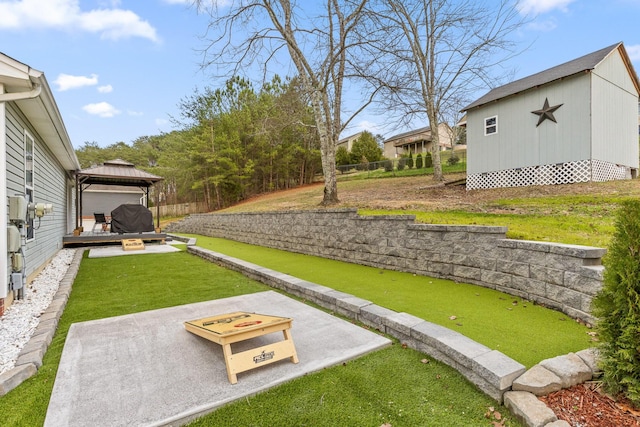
x=570, y=368
x=590, y=358
x=14, y=377
x=538, y=380
x=559, y=423
x=528, y=409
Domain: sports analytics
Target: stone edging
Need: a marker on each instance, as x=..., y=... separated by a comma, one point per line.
x=497, y=375
x=546, y=377
x=30, y=358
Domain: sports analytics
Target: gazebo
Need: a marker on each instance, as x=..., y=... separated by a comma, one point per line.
x=114, y=173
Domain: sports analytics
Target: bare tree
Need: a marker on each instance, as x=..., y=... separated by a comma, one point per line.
x=442, y=51
x=321, y=47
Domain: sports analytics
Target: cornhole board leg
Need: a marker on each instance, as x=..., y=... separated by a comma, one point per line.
x=255, y=357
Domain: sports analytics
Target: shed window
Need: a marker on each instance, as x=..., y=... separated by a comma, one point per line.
x=490, y=125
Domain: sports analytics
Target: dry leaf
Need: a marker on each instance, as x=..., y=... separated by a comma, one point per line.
x=425, y=361
x=453, y=317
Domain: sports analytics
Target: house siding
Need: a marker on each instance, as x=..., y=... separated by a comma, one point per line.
x=615, y=112
x=50, y=186
x=519, y=142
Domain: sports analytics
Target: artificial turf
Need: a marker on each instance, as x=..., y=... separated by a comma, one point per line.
x=520, y=329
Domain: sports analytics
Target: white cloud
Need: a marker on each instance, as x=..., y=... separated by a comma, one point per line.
x=634, y=52
x=543, y=26
x=67, y=81
x=105, y=89
x=536, y=7
x=135, y=113
x=368, y=126
x=161, y=122
x=112, y=23
x=101, y=109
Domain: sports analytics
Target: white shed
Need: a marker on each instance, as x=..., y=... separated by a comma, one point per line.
x=575, y=122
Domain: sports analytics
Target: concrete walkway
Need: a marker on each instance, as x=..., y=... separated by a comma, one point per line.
x=145, y=369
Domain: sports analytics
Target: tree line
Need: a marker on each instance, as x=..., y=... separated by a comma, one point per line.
x=231, y=143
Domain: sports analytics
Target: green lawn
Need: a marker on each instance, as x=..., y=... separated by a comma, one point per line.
x=495, y=319
x=393, y=385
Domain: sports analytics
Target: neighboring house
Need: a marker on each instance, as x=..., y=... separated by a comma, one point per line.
x=417, y=141
x=575, y=122
x=348, y=141
x=38, y=162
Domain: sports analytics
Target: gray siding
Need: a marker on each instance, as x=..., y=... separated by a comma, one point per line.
x=50, y=186
x=519, y=142
x=615, y=113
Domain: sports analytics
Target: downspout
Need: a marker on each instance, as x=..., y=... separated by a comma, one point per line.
x=4, y=258
x=4, y=98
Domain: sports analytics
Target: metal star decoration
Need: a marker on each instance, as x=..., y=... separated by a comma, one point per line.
x=546, y=112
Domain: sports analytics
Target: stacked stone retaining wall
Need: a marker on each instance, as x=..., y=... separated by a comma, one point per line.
x=563, y=277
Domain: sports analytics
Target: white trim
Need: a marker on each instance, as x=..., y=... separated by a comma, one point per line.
x=495, y=124
x=4, y=265
x=28, y=136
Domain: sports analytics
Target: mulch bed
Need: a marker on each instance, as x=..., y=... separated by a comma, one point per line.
x=586, y=405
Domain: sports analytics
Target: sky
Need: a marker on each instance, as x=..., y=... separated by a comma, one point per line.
x=119, y=68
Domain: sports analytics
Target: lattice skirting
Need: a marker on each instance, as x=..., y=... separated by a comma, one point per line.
x=559, y=173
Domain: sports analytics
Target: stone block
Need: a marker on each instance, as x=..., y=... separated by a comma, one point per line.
x=374, y=316
x=565, y=296
x=402, y=322
x=497, y=369
x=16, y=376
x=33, y=357
x=513, y=267
x=582, y=283
x=352, y=305
x=530, y=286
x=547, y=274
x=537, y=380
x=495, y=278
x=590, y=357
x=528, y=409
x=463, y=272
x=570, y=368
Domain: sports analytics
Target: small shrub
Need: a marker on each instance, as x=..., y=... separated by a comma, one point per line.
x=401, y=163
x=410, y=161
x=617, y=306
x=428, y=161
x=388, y=166
x=453, y=160
x=419, y=161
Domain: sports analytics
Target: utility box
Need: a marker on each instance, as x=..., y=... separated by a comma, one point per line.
x=17, y=208
x=13, y=239
x=16, y=281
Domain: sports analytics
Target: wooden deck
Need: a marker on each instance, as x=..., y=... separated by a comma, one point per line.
x=87, y=238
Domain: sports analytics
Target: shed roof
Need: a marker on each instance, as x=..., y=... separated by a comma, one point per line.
x=584, y=63
x=117, y=172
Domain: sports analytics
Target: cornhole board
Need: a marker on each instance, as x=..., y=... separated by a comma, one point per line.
x=226, y=329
